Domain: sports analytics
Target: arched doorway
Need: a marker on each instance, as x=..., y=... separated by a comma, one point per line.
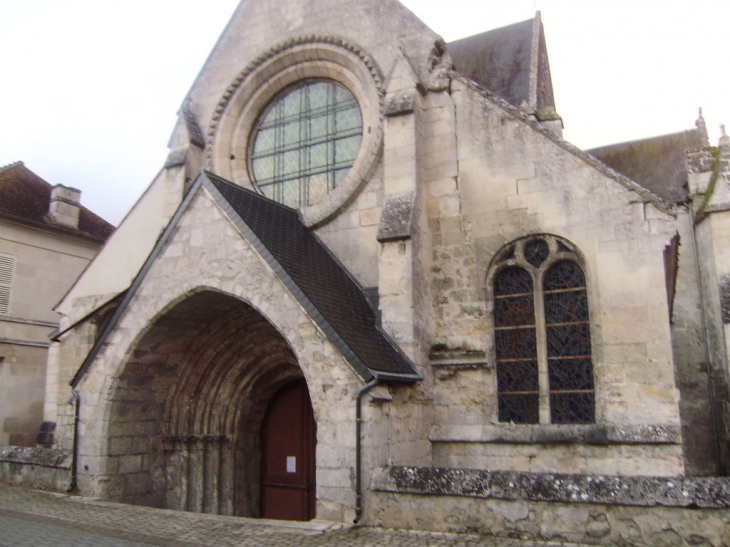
x=186, y=414
x=288, y=440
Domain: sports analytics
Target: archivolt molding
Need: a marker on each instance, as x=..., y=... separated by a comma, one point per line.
x=284, y=65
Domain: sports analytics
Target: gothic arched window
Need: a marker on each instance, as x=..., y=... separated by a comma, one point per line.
x=542, y=334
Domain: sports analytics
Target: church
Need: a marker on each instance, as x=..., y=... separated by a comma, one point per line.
x=373, y=283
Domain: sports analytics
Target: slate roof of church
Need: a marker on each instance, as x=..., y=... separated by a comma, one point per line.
x=321, y=284
x=499, y=60
x=25, y=198
x=659, y=164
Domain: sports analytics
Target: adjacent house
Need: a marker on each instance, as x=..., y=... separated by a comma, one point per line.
x=47, y=238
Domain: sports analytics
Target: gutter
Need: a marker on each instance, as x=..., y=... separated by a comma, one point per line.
x=56, y=335
x=74, y=486
x=358, y=447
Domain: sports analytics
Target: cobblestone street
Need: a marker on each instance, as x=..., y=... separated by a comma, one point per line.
x=42, y=519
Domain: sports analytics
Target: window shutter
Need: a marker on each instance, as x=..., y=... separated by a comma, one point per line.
x=7, y=269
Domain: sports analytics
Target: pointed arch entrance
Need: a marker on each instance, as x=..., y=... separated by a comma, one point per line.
x=187, y=410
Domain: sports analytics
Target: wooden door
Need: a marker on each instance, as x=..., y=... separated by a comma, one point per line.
x=289, y=439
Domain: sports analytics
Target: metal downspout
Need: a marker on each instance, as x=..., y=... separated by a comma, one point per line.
x=73, y=487
x=358, y=448
x=706, y=344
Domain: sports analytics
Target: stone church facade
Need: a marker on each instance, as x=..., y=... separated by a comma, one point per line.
x=372, y=282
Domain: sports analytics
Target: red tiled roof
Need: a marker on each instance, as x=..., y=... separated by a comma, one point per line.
x=25, y=198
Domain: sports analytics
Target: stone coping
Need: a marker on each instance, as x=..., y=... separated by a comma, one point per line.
x=43, y=457
x=593, y=434
x=457, y=358
x=695, y=492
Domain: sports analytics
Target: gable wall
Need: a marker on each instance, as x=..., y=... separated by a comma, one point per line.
x=512, y=181
x=378, y=26
x=713, y=245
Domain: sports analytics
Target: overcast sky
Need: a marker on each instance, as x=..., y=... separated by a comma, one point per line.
x=89, y=89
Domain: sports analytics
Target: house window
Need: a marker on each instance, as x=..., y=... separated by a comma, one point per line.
x=542, y=334
x=306, y=143
x=7, y=270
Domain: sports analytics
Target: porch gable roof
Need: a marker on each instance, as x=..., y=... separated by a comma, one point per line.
x=329, y=294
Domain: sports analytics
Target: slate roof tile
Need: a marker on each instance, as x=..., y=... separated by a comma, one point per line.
x=320, y=277
x=499, y=60
x=659, y=164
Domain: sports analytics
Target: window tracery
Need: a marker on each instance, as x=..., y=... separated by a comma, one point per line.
x=542, y=334
x=306, y=142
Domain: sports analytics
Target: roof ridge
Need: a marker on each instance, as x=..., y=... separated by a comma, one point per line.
x=9, y=166
x=51, y=227
x=645, y=139
x=250, y=191
x=490, y=30
x=568, y=147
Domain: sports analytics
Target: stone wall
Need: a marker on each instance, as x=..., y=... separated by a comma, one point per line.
x=713, y=236
x=709, y=174
x=598, y=510
x=42, y=468
x=507, y=179
x=690, y=361
x=64, y=359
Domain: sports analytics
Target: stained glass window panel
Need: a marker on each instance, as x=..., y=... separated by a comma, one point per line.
x=559, y=309
x=318, y=155
x=571, y=374
x=347, y=119
x=266, y=140
x=513, y=281
x=519, y=408
x=518, y=376
x=346, y=149
x=317, y=184
x=568, y=339
x=306, y=142
x=263, y=167
x=516, y=347
x=318, y=127
x=564, y=275
x=572, y=408
x=340, y=174
x=515, y=343
x=318, y=95
x=514, y=311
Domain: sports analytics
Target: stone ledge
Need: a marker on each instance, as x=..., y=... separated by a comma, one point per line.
x=711, y=492
x=594, y=434
x=43, y=457
x=396, y=220
x=459, y=358
x=397, y=104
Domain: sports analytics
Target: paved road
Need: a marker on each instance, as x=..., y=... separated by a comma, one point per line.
x=30, y=518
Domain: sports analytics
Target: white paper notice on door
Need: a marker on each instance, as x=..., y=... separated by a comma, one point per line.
x=291, y=464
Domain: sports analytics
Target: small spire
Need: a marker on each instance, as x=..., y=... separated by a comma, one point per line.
x=702, y=129
x=724, y=139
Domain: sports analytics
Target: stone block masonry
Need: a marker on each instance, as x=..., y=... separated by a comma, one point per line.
x=43, y=468
x=596, y=509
